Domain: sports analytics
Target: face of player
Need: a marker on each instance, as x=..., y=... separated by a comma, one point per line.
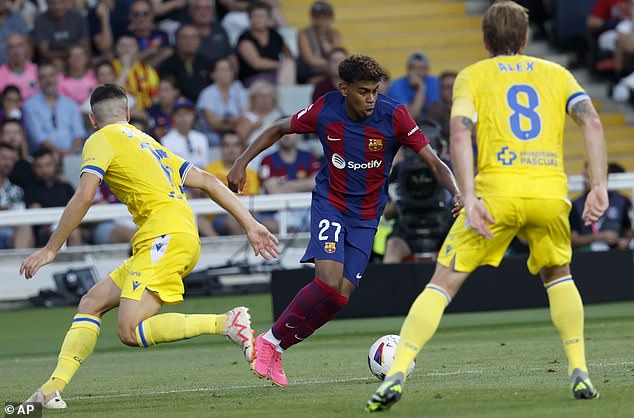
x=360, y=98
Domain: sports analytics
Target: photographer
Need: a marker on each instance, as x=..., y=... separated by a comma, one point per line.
x=420, y=207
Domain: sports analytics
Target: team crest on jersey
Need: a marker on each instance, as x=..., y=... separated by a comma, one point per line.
x=375, y=144
x=330, y=247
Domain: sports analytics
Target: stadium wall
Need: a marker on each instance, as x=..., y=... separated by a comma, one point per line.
x=389, y=290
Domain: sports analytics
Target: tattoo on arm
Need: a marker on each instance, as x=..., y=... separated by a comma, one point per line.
x=467, y=123
x=582, y=111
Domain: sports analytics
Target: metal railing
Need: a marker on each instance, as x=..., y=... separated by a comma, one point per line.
x=258, y=203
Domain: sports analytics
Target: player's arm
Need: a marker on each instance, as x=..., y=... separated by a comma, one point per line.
x=443, y=174
x=237, y=175
x=73, y=214
x=586, y=117
x=263, y=242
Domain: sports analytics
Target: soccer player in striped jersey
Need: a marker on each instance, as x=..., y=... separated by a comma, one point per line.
x=150, y=181
x=360, y=131
x=519, y=106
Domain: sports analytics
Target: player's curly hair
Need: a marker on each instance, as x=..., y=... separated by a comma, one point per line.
x=361, y=68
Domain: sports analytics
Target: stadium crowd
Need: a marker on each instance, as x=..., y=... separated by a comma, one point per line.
x=201, y=77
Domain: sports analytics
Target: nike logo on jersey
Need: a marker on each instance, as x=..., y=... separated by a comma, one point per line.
x=359, y=275
x=333, y=139
x=299, y=338
x=135, y=284
x=289, y=326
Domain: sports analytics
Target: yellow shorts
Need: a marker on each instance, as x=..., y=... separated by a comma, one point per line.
x=158, y=265
x=543, y=223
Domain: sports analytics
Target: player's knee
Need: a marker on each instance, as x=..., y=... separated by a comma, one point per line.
x=127, y=335
x=90, y=305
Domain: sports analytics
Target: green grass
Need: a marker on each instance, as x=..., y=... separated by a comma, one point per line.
x=494, y=364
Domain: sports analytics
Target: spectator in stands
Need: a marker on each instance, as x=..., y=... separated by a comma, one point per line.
x=12, y=133
x=58, y=29
x=160, y=113
x=262, y=53
x=153, y=44
x=101, y=23
x=234, y=16
x=187, y=65
x=440, y=111
x=19, y=70
x=221, y=104
x=418, y=90
x=214, y=41
x=113, y=231
x=78, y=81
x=171, y=13
x=614, y=228
x=48, y=191
x=260, y=114
x=601, y=39
x=315, y=43
x=12, y=198
x=231, y=146
x=53, y=120
x=182, y=139
x=139, y=79
x=11, y=106
x=290, y=170
x=331, y=82
x=10, y=22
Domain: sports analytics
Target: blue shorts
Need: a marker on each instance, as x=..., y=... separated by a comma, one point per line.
x=334, y=236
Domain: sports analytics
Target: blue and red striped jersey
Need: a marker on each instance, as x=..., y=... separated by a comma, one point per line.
x=359, y=153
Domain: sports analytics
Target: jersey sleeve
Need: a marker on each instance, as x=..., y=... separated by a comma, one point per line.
x=96, y=155
x=305, y=120
x=463, y=101
x=406, y=131
x=178, y=162
x=573, y=91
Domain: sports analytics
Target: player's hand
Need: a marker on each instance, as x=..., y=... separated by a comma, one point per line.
x=457, y=205
x=264, y=243
x=478, y=217
x=236, y=178
x=32, y=263
x=596, y=203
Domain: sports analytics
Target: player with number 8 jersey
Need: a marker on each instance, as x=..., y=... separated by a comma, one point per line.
x=360, y=131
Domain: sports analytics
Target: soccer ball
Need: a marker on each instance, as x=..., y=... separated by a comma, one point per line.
x=381, y=356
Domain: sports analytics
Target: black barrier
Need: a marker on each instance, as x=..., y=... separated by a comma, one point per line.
x=389, y=290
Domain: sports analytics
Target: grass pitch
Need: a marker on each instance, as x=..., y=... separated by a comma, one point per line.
x=488, y=365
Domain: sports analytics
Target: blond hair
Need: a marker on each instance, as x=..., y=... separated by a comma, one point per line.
x=504, y=26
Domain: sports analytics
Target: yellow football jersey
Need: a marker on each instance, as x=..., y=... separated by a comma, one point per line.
x=144, y=175
x=519, y=104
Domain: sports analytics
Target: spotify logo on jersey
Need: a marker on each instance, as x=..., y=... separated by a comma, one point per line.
x=338, y=161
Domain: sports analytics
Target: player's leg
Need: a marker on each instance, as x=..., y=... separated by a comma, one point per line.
x=80, y=340
x=548, y=236
x=462, y=252
x=566, y=312
x=158, y=268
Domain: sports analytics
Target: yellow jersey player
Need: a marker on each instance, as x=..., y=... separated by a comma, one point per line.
x=149, y=180
x=518, y=104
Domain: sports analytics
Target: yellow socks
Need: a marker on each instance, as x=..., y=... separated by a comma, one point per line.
x=170, y=327
x=419, y=326
x=79, y=342
x=566, y=312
